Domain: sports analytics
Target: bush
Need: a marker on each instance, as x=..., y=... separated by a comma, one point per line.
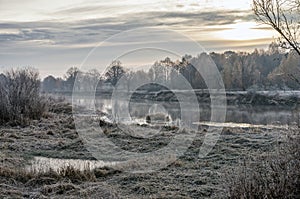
x=20, y=99
x=274, y=175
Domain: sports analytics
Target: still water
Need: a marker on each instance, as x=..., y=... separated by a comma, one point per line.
x=246, y=114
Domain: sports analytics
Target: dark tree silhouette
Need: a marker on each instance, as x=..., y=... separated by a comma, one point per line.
x=115, y=72
x=71, y=77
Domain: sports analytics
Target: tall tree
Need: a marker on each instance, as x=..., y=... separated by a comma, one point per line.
x=71, y=77
x=115, y=72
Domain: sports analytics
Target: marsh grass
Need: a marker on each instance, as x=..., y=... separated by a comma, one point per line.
x=272, y=175
x=36, y=177
x=67, y=182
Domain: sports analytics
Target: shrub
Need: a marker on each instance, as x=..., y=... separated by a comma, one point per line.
x=275, y=175
x=20, y=99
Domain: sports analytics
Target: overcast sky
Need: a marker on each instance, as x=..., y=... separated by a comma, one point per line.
x=55, y=35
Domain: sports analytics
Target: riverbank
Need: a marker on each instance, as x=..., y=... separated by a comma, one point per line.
x=265, y=98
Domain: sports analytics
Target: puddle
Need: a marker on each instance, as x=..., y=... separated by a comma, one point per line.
x=43, y=164
x=240, y=125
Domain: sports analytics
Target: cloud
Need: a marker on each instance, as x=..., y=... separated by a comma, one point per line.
x=51, y=44
x=90, y=31
x=91, y=11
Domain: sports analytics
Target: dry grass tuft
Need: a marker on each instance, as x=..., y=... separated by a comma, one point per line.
x=76, y=176
x=50, y=176
x=59, y=189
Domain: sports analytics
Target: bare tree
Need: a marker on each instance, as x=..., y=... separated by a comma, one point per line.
x=283, y=16
x=115, y=72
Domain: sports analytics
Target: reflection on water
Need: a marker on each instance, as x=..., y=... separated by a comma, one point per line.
x=138, y=110
x=259, y=115
x=43, y=164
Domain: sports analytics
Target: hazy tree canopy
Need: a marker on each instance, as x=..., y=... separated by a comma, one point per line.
x=71, y=77
x=114, y=72
x=284, y=17
x=49, y=84
x=288, y=73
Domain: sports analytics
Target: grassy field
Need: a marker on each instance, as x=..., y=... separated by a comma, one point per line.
x=54, y=136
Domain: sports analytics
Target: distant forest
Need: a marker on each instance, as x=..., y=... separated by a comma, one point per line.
x=271, y=69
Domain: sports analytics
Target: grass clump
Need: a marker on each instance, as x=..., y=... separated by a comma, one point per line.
x=35, y=178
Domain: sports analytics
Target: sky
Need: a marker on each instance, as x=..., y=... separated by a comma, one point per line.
x=55, y=35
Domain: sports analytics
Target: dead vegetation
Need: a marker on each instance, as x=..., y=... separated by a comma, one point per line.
x=66, y=182
x=275, y=174
x=54, y=136
x=20, y=99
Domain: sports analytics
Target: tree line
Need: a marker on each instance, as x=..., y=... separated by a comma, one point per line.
x=271, y=69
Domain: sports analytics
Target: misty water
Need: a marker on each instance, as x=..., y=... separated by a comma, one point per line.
x=235, y=114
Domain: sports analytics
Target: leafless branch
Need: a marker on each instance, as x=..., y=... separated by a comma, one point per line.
x=279, y=14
